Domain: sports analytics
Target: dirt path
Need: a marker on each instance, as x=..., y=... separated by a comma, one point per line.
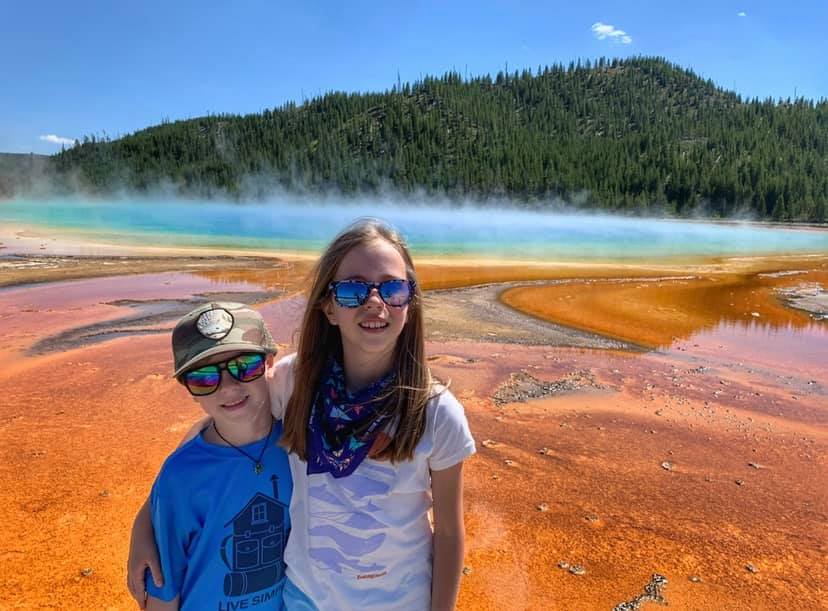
x=476, y=313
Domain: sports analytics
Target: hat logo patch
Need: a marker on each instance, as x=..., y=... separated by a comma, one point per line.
x=215, y=324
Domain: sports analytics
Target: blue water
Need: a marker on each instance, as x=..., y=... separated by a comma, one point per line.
x=302, y=225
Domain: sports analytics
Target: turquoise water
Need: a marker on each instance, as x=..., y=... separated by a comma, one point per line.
x=301, y=225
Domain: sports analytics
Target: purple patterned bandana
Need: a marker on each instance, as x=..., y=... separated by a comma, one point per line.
x=343, y=426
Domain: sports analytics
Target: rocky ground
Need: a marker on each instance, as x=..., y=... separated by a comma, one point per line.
x=607, y=476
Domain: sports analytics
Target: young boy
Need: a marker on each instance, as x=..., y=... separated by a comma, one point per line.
x=220, y=503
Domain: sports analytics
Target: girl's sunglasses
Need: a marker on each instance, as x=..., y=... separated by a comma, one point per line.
x=353, y=293
x=205, y=380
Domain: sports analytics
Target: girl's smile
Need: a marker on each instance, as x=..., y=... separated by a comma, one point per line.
x=369, y=332
x=374, y=325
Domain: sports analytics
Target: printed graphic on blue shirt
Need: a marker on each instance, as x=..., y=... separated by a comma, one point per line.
x=221, y=528
x=254, y=552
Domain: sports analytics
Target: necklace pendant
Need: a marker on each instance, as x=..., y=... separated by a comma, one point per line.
x=258, y=468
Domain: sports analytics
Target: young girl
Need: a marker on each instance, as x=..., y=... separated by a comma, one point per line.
x=373, y=442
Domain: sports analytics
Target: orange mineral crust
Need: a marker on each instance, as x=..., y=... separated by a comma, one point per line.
x=702, y=462
x=656, y=310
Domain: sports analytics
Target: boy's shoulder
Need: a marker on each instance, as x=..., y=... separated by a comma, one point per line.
x=181, y=462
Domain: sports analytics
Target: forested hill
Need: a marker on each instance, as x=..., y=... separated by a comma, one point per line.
x=19, y=172
x=638, y=134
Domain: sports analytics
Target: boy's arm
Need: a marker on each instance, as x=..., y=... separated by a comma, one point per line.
x=449, y=535
x=143, y=553
x=156, y=604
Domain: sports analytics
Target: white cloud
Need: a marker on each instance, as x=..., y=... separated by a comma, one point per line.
x=57, y=139
x=741, y=14
x=605, y=30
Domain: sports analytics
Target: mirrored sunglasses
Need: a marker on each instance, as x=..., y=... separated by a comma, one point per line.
x=353, y=293
x=206, y=380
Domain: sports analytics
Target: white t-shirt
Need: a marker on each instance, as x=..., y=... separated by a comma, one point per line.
x=364, y=541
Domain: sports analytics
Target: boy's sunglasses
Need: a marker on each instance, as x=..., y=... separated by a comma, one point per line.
x=353, y=293
x=205, y=380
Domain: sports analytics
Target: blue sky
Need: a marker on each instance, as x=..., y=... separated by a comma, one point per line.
x=82, y=67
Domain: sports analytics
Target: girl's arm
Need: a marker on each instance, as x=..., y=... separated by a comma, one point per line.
x=447, y=492
x=143, y=554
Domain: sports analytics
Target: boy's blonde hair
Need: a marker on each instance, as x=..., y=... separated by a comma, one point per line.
x=319, y=341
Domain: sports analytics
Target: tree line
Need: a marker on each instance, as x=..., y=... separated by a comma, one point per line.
x=637, y=135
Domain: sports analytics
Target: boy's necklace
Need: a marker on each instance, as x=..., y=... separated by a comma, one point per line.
x=257, y=462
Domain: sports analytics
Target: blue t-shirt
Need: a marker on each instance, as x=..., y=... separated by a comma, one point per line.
x=220, y=528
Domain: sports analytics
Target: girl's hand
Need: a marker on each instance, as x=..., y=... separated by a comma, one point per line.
x=143, y=555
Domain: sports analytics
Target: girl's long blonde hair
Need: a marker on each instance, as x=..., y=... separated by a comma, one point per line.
x=319, y=341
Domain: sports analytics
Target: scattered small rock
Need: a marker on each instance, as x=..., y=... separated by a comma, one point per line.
x=653, y=592
x=87, y=572
x=751, y=568
x=695, y=578
x=740, y=482
x=667, y=466
x=577, y=570
x=467, y=570
x=104, y=493
x=489, y=443
x=755, y=465
x=522, y=386
x=563, y=564
x=543, y=507
x=509, y=462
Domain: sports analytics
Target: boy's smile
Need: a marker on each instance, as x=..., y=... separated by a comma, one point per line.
x=236, y=404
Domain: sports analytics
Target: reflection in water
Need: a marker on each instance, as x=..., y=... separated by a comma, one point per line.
x=281, y=275
x=657, y=313
x=800, y=347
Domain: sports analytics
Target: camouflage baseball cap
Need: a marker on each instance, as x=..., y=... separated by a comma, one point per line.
x=218, y=327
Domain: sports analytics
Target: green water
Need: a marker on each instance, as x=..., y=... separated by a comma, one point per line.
x=299, y=225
